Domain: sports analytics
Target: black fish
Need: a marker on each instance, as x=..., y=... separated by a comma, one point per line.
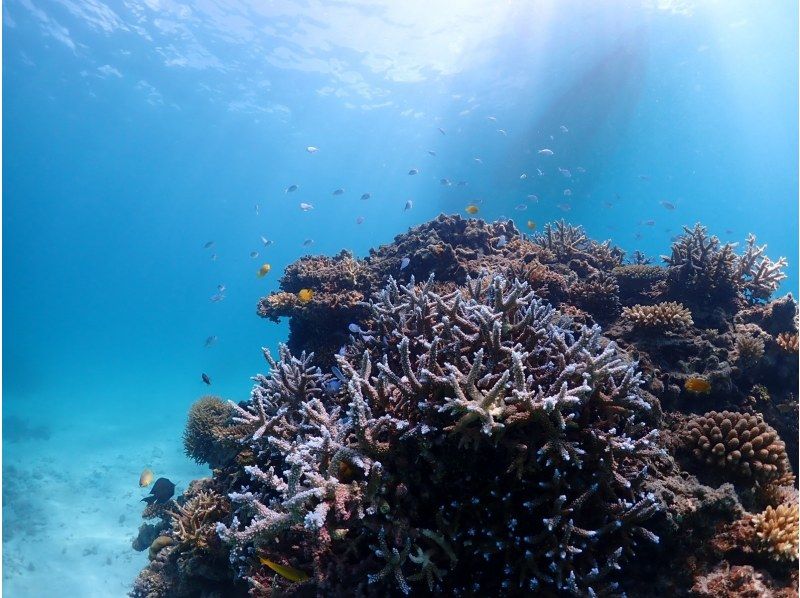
x=161, y=492
x=206, y=379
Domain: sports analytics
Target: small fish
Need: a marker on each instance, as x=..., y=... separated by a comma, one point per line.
x=523, y=176
x=265, y=241
x=564, y=129
x=161, y=492
x=445, y=182
x=649, y=222
x=221, y=288
x=285, y=571
x=291, y=189
x=263, y=270
x=667, y=204
x=521, y=207
x=491, y=118
x=644, y=177
x=431, y=153
x=531, y=225
x=213, y=257
x=545, y=152
x=441, y=130
x=210, y=341
x=478, y=160
x=580, y=169
x=256, y=209
x=471, y=209
x=306, y=206
x=312, y=150
x=354, y=328
x=567, y=192
x=305, y=295
x=338, y=373
x=146, y=478
x=339, y=191
x=360, y=220
x=254, y=254
x=462, y=183
x=502, y=132
x=413, y=171
x=539, y=172
x=308, y=242
x=565, y=172
x=206, y=379
x=333, y=386
x=502, y=241
x=216, y=297
x=564, y=207
x=404, y=263
x=408, y=206
x=208, y=244
x=366, y=196
x=533, y=198
x=697, y=385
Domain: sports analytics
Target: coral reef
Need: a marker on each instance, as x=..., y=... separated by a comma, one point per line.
x=480, y=434
x=663, y=317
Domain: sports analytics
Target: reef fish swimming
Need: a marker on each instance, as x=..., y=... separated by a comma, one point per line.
x=471, y=209
x=285, y=571
x=146, y=478
x=161, y=492
x=697, y=385
x=206, y=379
x=263, y=270
x=305, y=295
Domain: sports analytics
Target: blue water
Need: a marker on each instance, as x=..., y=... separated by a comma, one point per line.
x=135, y=132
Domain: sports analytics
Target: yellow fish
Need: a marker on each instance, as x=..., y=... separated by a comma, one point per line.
x=471, y=209
x=146, y=478
x=531, y=225
x=264, y=270
x=697, y=385
x=289, y=573
x=305, y=295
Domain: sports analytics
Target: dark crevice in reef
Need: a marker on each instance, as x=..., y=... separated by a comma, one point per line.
x=539, y=417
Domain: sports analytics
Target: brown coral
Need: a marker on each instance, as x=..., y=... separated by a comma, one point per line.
x=749, y=345
x=777, y=531
x=738, y=442
x=788, y=341
x=203, y=438
x=194, y=523
x=669, y=315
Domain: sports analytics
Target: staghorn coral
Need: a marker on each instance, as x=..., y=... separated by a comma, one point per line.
x=598, y=294
x=667, y=316
x=194, y=522
x=777, y=531
x=568, y=242
x=204, y=438
x=713, y=273
x=739, y=443
x=788, y=342
x=489, y=367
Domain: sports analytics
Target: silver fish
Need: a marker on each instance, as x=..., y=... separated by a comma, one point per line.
x=254, y=254
x=545, y=152
x=404, y=263
x=564, y=129
x=567, y=192
x=266, y=241
x=216, y=298
x=668, y=205
x=210, y=341
x=408, y=206
x=502, y=241
x=308, y=242
x=312, y=150
x=521, y=207
x=502, y=132
x=306, y=207
x=523, y=176
x=366, y=196
x=445, y=182
x=354, y=328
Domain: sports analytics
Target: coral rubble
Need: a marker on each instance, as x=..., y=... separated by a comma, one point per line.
x=479, y=433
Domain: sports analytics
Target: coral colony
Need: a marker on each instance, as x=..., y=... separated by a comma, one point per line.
x=469, y=411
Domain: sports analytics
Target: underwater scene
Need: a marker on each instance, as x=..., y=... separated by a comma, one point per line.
x=375, y=298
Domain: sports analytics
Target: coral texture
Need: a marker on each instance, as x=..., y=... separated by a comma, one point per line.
x=738, y=442
x=668, y=315
x=203, y=437
x=788, y=342
x=777, y=530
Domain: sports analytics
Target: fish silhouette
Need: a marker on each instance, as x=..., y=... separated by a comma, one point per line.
x=206, y=379
x=161, y=492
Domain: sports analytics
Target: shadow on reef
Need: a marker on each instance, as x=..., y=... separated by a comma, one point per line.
x=538, y=417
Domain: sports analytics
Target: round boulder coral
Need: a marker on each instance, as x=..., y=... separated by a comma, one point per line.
x=740, y=443
x=203, y=437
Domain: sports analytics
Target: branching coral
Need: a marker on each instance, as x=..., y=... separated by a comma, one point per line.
x=738, y=442
x=777, y=530
x=749, y=345
x=568, y=242
x=638, y=281
x=598, y=294
x=542, y=402
x=669, y=315
x=701, y=265
x=788, y=341
x=194, y=522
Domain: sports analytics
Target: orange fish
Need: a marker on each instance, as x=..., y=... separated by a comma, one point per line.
x=471, y=209
x=697, y=385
